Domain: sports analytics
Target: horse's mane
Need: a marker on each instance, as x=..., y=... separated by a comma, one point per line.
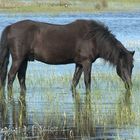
x=109, y=48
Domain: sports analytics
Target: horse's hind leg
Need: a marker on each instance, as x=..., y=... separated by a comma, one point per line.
x=76, y=76
x=22, y=75
x=11, y=75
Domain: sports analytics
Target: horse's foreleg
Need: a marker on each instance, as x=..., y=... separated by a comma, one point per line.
x=11, y=75
x=22, y=76
x=87, y=75
x=76, y=76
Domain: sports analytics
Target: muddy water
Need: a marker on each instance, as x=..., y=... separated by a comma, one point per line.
x=48, y=110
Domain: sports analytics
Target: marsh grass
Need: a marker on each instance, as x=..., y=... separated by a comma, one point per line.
x=68, y=6
x=111, y=83
x=108, y=105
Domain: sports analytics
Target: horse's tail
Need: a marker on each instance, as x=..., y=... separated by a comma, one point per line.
x=4, y=57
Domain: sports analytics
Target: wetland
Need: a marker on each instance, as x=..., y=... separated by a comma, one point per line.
x=49, y=111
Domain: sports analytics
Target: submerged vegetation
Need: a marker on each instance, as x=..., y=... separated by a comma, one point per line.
x=102, y=112
x=56, y=6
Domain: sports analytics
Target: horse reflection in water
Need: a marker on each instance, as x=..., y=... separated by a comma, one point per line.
x=124, y=113
x=85, y=124
x=83, y=116
x=14, y=115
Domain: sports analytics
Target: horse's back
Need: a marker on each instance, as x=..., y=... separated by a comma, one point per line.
x=23, y=26
x=50, y=43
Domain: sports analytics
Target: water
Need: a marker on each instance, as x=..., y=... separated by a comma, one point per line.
x=48, y=109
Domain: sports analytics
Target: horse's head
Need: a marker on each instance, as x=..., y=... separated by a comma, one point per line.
x=125, y=66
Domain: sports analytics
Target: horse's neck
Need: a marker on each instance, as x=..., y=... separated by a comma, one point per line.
x=111, y=55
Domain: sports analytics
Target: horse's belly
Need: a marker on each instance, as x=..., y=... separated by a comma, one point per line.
x=59, y=61
x=54, y=61
x=54, y=58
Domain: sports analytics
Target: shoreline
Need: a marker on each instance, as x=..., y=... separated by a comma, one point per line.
x=68, y=13
x=78, y=6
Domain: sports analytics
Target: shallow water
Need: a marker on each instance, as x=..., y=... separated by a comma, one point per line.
x=48, y=110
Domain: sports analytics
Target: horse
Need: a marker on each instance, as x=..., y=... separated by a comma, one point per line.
x=80, y=42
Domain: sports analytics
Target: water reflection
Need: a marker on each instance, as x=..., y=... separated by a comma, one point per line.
x=13, y=116
x=15, y=121
x=124, y=112
x=85, y=119
x=2, y=94
x=83, y=115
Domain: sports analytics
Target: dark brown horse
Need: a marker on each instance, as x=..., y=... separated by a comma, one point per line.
x=80, y=42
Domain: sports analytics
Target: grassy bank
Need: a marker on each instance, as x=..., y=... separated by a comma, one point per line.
x=57, y=6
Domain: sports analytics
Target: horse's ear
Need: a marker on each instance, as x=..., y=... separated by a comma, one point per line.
x=132, y=52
